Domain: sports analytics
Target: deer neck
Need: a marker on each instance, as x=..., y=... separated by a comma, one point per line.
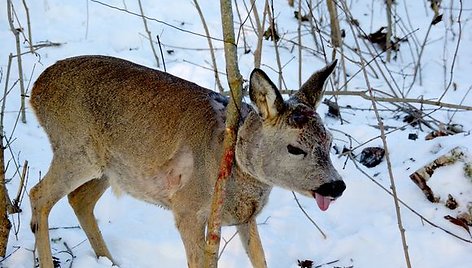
x=245, y=197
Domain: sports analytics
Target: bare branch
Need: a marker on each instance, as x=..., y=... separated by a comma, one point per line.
x=235, y=81
x=148, y=33
x=156, y=20
x=387, y=155
x=210, y=45
x=308, y=216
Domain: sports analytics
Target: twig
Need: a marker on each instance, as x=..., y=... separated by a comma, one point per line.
x=226, y=244
x=313, y=26
x=460, y=103
x=207, y=68
x=28, y=23
x=69, y=251
x=418, y=63
x=363, y=94
x=210, y=45
x=260, y=32
x=162, y=54
x=375, y=56
x=87, y=13
x=21, y=189
x=387, y=156
x=354, y=161
x=270, y=12
x=148, y=33
x=451, y=72
x=47, y=44
x=5, y=92
x=16, y=248
x=308, y=216
x=299, y=36
x=389, y=29
x=156, y=20
x=16, y=33
x=64, y=227
x=241, y=28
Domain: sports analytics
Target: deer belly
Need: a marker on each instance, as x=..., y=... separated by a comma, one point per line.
x=155, y=184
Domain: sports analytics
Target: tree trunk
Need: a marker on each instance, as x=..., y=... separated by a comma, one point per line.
x=235, y=82
x=334, y=23
x=5, y=224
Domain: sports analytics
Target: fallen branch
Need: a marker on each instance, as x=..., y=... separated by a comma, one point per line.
x=363, y=94
x=422, y=175
x=354, y=161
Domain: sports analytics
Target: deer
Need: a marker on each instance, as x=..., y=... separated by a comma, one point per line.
x=157, y=137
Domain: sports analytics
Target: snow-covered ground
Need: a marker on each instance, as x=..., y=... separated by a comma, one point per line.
x=361, y=226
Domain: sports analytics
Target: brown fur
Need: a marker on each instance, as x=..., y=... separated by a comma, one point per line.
x=158, y=138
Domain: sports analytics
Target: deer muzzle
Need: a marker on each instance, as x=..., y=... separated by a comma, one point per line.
x=327, y=193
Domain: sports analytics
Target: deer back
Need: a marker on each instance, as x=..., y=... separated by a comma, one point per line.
x=132, y=121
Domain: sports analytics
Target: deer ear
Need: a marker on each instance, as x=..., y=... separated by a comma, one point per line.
x=311, y=91
x=265, y=95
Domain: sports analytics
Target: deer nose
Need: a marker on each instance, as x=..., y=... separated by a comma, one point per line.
x=333, y=189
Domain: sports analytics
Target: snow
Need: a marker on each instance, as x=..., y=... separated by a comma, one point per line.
x=361, y=226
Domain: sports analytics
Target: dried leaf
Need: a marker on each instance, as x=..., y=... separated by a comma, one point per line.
x=380, y=38
x=412, y=136
x=420, y=180
x=411, y=119
x=458, y=222
x=272, y=36
x=468, y=170
x=435, y=134
x=420, y=176
x=333, y=108
x=300, y=17
x=451, y=202
x=305, y=263
x=437, y=19
x=372, y=156
x=465, y=217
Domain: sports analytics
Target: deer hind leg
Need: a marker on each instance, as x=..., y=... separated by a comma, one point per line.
x=83, y=200
x=252, y=243
x=62, y=178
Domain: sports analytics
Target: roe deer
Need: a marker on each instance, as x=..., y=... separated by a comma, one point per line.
x=159, y=138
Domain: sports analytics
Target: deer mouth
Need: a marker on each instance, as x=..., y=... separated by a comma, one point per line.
x=322, y=201
x=327, y=193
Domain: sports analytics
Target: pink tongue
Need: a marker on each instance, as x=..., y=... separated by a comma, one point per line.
x=322, y=201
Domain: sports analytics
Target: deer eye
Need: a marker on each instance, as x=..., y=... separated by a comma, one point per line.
x=299, y=119
x=295, y=151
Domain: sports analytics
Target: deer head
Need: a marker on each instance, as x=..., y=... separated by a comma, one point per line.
x=285, y=143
